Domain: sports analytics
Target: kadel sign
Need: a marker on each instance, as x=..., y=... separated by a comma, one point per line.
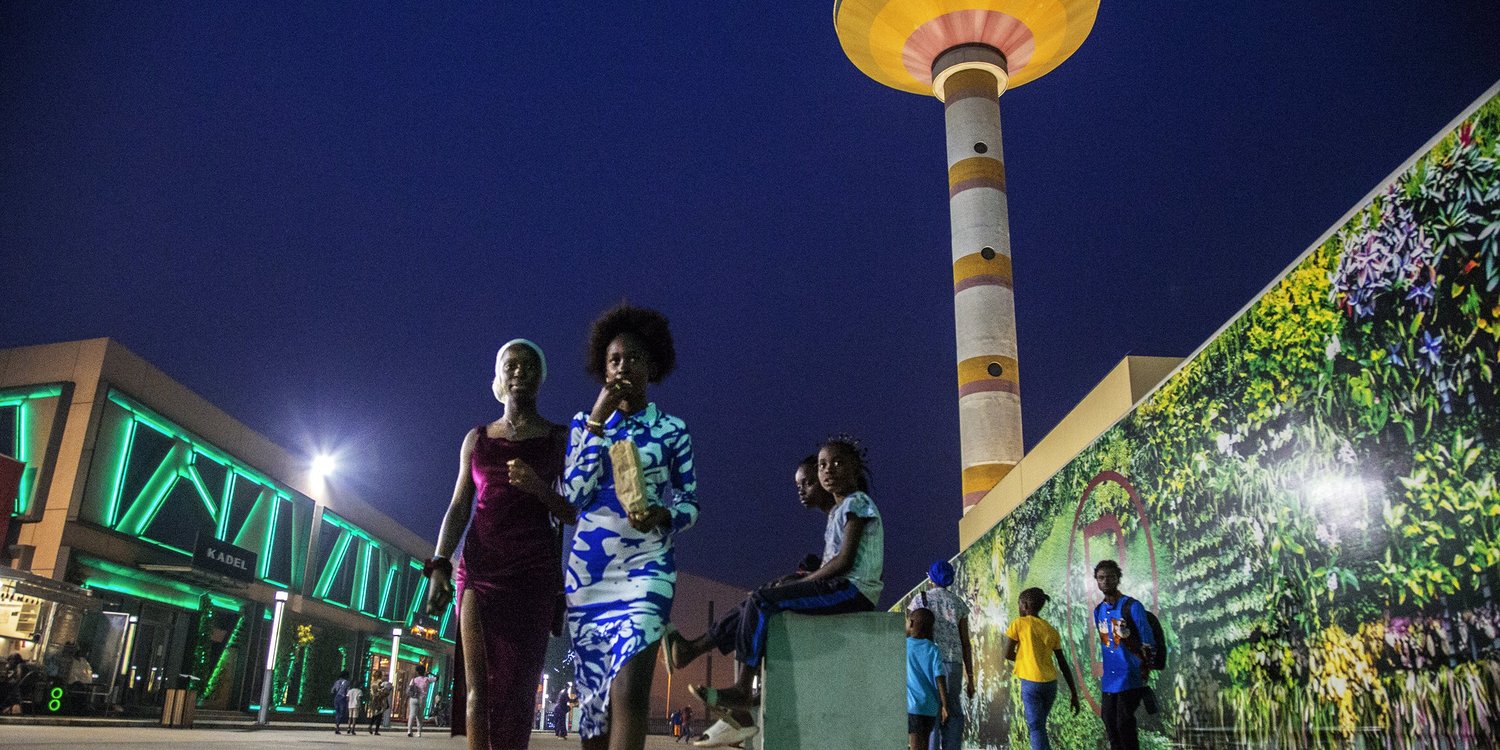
x=224, y=558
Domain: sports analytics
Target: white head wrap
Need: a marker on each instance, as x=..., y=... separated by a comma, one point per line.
x=528, y=344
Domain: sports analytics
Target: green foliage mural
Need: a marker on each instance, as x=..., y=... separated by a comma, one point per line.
x=1310, y=503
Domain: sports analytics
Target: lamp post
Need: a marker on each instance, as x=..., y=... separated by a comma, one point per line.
x=265, y=685
x=395, y=652
x=125, y=659
x=541, y=719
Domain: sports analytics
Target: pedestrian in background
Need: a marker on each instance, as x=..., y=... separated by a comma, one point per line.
x=560, y=714
x=416, y=700
x=341, y=703
x=926, y=698
x=354, y=695
x=1125, y=643
x=1033, y=644
x=950, y=631
x=380, y=702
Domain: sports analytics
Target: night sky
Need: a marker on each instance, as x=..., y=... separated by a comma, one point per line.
x=325, y=218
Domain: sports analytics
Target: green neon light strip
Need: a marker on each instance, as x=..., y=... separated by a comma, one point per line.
x=24, y=400
x=222, y=527
x=331, y=568
x=268, y=545
x=417, y=596
x=146, y=505
x=443, y=626
x=361, y=578
x=191, y=472
x=146, y=585
x=411, y=651
x=15, y=396
x=179, y=464
x=385, y=590
x=112, y=514
x=23, y=454
x=334, y=519
x=359, y=596
x=159, y=423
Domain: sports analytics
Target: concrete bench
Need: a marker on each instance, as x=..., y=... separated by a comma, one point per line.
x=834, y=682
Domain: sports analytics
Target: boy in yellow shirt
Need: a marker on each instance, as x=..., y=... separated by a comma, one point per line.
x=1032, y=643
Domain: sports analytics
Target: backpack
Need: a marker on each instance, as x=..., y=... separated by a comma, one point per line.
x=1158, y=660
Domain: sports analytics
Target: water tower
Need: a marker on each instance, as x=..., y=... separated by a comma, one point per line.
x=967, y=53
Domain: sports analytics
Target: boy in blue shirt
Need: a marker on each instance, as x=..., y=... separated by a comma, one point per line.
x=926, y=691
x=1125, y=641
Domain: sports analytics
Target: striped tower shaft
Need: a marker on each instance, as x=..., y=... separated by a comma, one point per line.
x=989, y=394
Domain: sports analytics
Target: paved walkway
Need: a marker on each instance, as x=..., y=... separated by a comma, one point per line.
x=19, y=737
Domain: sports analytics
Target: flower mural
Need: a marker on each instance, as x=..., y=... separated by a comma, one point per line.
x=1310, y=504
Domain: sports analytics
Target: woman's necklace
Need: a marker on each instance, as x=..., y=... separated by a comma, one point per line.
x=515, y=425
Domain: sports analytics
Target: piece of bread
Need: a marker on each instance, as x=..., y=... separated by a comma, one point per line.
x=630, y=481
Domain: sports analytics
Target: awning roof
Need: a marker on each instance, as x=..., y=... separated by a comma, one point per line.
x=21, y=584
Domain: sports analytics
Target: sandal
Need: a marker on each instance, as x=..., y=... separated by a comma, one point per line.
x=670, y=638
x=725, y=733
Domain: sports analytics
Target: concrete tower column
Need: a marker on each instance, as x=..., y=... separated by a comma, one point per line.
x=968, y=52
x=969, y=79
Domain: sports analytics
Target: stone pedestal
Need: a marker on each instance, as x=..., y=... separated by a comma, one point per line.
x=837, y=681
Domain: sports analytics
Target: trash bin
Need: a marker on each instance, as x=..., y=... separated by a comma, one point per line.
x=180, y=706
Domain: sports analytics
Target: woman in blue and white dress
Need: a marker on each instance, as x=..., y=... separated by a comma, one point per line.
x=621, y=573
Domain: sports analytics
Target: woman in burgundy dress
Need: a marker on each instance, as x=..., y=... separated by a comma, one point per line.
x=509, y=576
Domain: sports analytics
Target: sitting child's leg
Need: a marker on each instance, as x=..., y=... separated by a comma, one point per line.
x=720, y=635
x=829, y=596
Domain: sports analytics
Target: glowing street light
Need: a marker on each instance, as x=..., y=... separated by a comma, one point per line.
x=323, y=465
x=265, y=686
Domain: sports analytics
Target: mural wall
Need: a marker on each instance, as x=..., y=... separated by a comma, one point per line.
x=1310, y=504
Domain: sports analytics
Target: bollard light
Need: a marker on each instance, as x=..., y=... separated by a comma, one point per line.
x=541, y=719
x=395, y=651
x=265, y=687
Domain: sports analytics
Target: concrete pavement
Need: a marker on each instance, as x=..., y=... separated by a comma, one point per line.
x=16, y=737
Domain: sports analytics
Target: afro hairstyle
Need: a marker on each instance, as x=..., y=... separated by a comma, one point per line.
x=648, y=326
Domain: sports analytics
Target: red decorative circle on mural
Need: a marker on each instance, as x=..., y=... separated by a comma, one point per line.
x=1094, y=529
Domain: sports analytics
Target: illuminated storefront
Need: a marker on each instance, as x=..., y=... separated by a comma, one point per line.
x=178, y=526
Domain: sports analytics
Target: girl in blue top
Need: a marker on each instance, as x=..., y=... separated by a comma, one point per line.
x=847, y=581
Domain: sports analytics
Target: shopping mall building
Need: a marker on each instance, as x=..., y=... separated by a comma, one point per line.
x=152, y=532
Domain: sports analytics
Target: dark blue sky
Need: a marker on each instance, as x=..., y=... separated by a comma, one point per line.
x=325, y=219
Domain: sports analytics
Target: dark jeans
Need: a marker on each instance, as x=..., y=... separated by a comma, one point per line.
x=949, y=735
x=1119, y=718
x=744, y=629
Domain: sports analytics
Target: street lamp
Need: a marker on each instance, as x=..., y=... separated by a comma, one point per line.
x=395, y=651
x=541, y=718
x=265, y=686
x=323, y=465
x=125, y=659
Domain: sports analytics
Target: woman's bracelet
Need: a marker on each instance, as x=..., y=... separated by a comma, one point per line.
x=593, y=425
x=437, y=564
